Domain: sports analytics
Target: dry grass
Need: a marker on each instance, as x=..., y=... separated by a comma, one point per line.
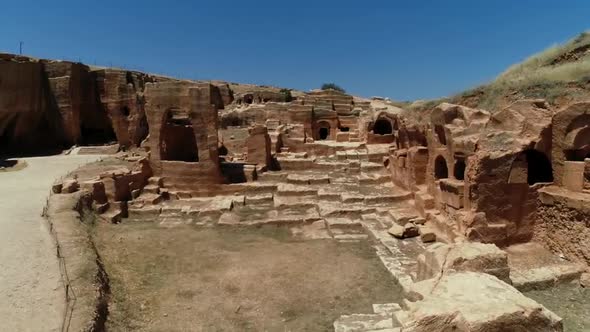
x=559, y=74
x=235, y=279
x=545, y=75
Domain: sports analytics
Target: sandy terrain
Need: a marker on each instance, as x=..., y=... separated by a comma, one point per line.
x=31, y=292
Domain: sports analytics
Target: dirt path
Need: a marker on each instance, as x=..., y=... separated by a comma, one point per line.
x=31, y=293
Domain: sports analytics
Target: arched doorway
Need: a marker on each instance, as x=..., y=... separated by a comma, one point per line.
x=382, y=127
x=177, y=138
x=578, y=144
x=441, y=170
x=459, y=170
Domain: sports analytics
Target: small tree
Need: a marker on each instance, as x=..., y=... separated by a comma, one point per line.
x=287, y=95
x=333, y=86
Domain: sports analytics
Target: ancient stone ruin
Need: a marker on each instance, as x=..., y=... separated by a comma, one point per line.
x=453, y=201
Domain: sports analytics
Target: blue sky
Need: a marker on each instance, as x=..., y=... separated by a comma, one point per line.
x=405, y=50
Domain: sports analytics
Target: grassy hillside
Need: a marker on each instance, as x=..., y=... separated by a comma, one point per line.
x=560, y=74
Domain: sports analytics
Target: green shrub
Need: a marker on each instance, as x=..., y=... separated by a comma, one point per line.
x=287, y=95
x=333, y=86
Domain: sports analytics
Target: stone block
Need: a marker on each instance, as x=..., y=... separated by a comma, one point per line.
x=470, y=301
x=467, y=256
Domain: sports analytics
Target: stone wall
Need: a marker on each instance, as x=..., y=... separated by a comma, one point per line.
x=183, y=141
x=55, y=104
x=563, y=223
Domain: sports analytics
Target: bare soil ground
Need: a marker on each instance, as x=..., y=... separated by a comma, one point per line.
x=187, y=278
x=570, y=302
x=31, y=289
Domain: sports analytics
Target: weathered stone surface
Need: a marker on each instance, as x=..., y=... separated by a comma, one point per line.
x=469, y=301
x=403, y=232
x=183, y=141
x=69, y=186
x=427, y=234
x=474, y=257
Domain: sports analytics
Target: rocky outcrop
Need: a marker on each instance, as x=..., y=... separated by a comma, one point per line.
x=28, y=116
x=55, y=104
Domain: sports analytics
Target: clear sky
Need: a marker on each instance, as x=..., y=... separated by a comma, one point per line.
x=404, y=50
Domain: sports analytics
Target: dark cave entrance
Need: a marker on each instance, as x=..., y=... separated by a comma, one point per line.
x=539, y=167
x=177, y=138
x=459, y=171
x=440, y=168
x=91, y=134
x=382, y=127
x=324, y=133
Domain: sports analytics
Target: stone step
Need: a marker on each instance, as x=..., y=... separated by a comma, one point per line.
x=259, y=187
x=112, y=215
x=273, y=177
x=295, y=202
x=260, y=198
x=156, y=181
x=352, y=198
x=347, y=237
x=144, y=211
x=346, y=224
x=307, y=179
x=374, y=179
x=295, y=164
x=403, y=216
x=285, y=189
x=388, y=198
x=151, y=189
x=350, y=211
x=150, y=198
x=329, y=195
x=363, y=323
x=372, y=167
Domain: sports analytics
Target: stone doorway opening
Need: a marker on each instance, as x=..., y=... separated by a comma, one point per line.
x=96, y=134
x=96, y=128
x=383, y=127
x=459, y=171
x=323, y=132
x=440, y=168
x=539, y=167
x=177, y=138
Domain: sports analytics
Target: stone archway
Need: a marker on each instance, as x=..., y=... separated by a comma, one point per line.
x=441, y=170
x=382, y=127
x=578, y=144
x=459, y=169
